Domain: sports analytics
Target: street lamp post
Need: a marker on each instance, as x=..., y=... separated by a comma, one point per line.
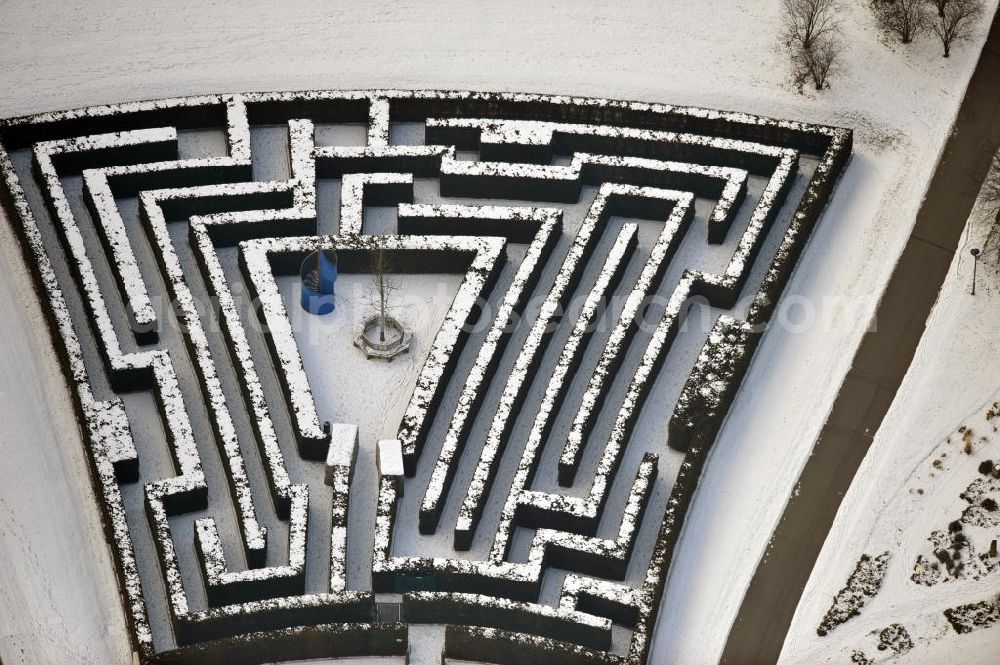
x=975, y=263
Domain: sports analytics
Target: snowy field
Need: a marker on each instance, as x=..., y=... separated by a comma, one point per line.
x=60, y=603
x=926, y=455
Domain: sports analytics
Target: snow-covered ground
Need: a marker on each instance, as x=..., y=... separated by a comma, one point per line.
x=59, y=604
x=422, y=302
x=909, y=486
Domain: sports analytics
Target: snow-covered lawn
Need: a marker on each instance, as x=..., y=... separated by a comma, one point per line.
x=56, y=588
x=926, y=454
x=348, y=388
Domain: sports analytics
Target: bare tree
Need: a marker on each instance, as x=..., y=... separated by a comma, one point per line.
x=812, y=36
x=815, y=64
x=956, y=21
x=806, y=21
x=384, y=285
x=823, y=59
x=904, y=19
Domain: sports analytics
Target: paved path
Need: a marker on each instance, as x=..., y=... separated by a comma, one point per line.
x=876, y=373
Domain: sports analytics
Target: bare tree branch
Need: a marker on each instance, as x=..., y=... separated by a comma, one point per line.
x=806, y=21
x=384, y=285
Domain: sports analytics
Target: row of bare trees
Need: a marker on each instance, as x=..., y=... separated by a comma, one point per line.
x=906, y=20
x=814, y=39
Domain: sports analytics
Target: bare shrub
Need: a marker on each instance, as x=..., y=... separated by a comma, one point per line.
x=955, y=21
x=815, y=64
x=902, y=19
x=812, y=35
x=384, y=286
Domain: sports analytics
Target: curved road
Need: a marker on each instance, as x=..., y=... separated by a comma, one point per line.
x=879, y=365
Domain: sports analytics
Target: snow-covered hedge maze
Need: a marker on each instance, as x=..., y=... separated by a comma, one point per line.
x=560, y=414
